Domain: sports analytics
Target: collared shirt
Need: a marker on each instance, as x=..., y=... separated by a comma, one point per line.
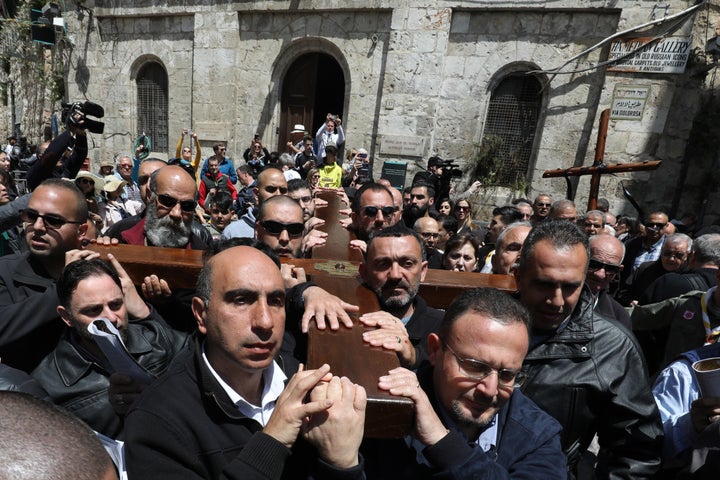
x=273, y=385
x=649, y=254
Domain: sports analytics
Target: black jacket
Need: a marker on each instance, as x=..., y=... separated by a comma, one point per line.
x=185, y=426
x=80, y=385
x=592, y=378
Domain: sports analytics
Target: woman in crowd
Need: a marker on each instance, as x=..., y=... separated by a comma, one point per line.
x=116, y=207
x=91, y=186
x=185, y=153
x=461, y=254
x=463, y=213
x=445, y=206
x=627, y=228
x=313, y=177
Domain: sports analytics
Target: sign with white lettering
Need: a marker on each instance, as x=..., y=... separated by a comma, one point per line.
x=667, y=55
x=628, y=102
x=402, y=146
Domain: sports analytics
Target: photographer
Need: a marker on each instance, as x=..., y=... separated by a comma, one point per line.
x=360, y=169
x=330, y=132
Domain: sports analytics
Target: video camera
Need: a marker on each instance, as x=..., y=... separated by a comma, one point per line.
x=450, y=169
x=75, y=114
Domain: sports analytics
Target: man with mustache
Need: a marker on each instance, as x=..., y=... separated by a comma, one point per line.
x=170, y=211
x=471, y=420
x=394, y=266
x=583, y=368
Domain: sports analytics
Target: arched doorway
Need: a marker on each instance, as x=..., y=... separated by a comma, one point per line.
x=313, y=86
x=152, y=104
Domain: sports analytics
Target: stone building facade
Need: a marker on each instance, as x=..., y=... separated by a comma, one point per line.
x=410, y=78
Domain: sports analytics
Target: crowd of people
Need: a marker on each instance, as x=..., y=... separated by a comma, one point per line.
x=584, y=372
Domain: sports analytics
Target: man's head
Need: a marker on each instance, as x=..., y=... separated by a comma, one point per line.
x=213, y=166
x=372, y=210
x=526, y=209
x=603, y=205
x=330, y=153
x=428, y=229
x=477, y=356
x=280, y=224
x=594, y=222
x=551, y=273
x=220, y=149
x=220, y=208
x=421, y=199
x=244, y=176
x=299, y=191
x=398, y=201
x=40, y=441
x=146, y=169
x=447, y=228
x=508, y=247
x=308, y=145
x=406, y=197
x=124, y=167
x=502, y=218
x=655, y=227
x=606, y=256
x=675, y=251
x=706, y=251
x=394, y=267
x=54, y=220
x=240, y=309
x=172, y=206
x=541, y=206
x=89, y=290
x=563, y=210
x=270, y=182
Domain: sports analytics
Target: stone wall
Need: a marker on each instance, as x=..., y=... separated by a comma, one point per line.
x=421, y=70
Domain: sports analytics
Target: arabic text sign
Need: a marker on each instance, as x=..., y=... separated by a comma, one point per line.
x=628, y=102
x=667, y=55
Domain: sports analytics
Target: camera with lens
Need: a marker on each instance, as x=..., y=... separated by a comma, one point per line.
x=76, y=114
x=449, y=169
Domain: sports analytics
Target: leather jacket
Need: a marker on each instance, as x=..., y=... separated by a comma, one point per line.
x=591, y=376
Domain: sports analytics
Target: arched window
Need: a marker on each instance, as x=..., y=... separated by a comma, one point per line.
x=152, y=102
x=510, y=128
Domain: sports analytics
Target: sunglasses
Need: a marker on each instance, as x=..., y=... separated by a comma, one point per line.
x=143, y=179
x=656, y=226
x=125, y=166
x=85, y=181
x=462, y=209
x=372, y=211
x=169, y=202
x=677, y=256
x=596, y=265
x=221, y=149
x=273, y=189
x=294, y=230
x=186, y=150
x=50, y=220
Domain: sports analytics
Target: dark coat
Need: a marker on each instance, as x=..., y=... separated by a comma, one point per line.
x=528, y=447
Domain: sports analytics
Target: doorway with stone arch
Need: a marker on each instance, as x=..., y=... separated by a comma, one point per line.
x=313, y=86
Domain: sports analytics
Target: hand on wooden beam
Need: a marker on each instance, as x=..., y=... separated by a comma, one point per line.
x=326, y=309
x=390, y=334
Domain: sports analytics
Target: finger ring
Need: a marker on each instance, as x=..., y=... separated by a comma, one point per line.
x=418, y=386
x=398, y=339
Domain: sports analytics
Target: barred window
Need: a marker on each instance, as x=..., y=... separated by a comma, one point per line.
x=510, y=127
x=152, y=102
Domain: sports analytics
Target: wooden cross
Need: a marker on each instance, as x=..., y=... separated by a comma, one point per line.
x=598, y=167
x=334, y=268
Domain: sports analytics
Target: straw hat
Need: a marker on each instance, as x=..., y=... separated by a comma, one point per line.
x=112, y=183
x=95, y=178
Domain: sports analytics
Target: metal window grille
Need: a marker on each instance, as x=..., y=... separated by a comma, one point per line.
x=152, y=101
x=511, y=125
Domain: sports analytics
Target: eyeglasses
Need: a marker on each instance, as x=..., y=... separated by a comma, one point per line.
x=596, y=265
x=656, y=226
x=169, y=202
x=273, y=189
x=477, y=370
x=294, y=230
x=427, y=235
x=50, y=220
x=372, y=211
x=85, y=181
x=677, y=256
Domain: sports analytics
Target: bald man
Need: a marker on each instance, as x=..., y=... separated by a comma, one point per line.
x=270, y=182
x=168, y=221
